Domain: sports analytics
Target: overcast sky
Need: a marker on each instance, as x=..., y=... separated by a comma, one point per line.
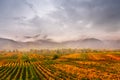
x=59, y=20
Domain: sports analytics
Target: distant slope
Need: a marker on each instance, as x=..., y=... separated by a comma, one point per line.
x=93, y=40
x=85, y=43
x=8, y=44
x=92, y=43
x=41, y=44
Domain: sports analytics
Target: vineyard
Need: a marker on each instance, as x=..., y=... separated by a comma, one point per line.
x=62, y=64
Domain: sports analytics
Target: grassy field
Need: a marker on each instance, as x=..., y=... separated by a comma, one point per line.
x=62, y=64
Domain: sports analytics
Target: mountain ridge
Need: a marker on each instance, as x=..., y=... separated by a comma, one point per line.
x=95, y=43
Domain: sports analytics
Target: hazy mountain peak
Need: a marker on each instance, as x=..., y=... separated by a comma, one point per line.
x=47, y=43
x=92, y=40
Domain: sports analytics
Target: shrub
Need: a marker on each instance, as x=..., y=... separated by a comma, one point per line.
x=55, y=57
